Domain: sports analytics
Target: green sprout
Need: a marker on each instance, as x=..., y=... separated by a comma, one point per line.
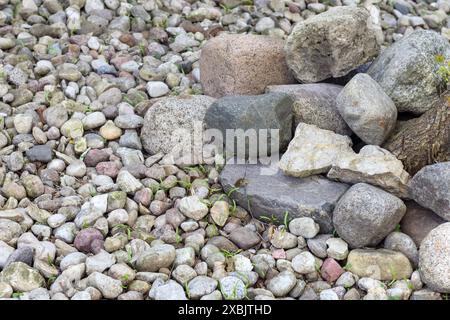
x=270, y=220
x=444, y=69
x=17, y=295
x=124, y=227
x=129, y=255
x=229, y=254
x=347, y=267
x=178, y=238
x=186, y=288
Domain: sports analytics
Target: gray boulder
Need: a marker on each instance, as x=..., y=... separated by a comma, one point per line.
x=368, y=111
x=434, y=259
x=315, y=104
x=366, y=214
x=318, y=48
x=419, y=221
x=262, y=112
x=266, y=191
x=407, y=70
x=170, y=121
x=430, y=187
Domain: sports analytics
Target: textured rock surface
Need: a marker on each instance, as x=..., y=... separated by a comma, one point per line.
x=407, y=70
x=424, y=140
x=366, y=214
x=368, y=111
x=313, y=151
x=313, y=197
x=434, y=259
x=381, y=264
x=372, y=165
x=430, y=187
x=315, y=104
x=242, y=65
x=419, y=221
x=317, y=48
x=272, y=111
x=169, y=115
x=21, y=277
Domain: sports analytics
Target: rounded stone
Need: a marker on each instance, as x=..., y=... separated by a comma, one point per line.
x=434, y=259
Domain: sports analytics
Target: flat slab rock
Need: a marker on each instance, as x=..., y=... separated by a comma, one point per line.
x=265, y=194
x=372, y=165
x=380, y=264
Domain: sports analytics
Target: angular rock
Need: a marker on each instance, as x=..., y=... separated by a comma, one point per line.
x=272, y=111
x=381, y=264
x=193, y=208
x=84, y=239
x=313, y=197
x=407, y=70
x=127, y=182
x=331, y=270
x=373, y=165
x=367, y=110
x=318, y=48
x=313, y=151
x=242, y=64
x=365, y=215
x=200, y=286
x=430, y=187
x=22, y=277
x=315, y=104
x=434, y=259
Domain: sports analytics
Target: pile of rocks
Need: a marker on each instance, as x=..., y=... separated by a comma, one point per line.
x=101, y=198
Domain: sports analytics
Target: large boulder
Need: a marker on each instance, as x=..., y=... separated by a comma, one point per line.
x=430, y=187
x=365, y=215
x=313, y=151
x=407, y=70
x=372, y=165
x=381, y=264
x=242, y=64
x=170, y=126
x=419, y=221
x=434, y=259
x=265, y=193
x=368, y=111
x=271, y=111
x=318, y=48
x=315, y=103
